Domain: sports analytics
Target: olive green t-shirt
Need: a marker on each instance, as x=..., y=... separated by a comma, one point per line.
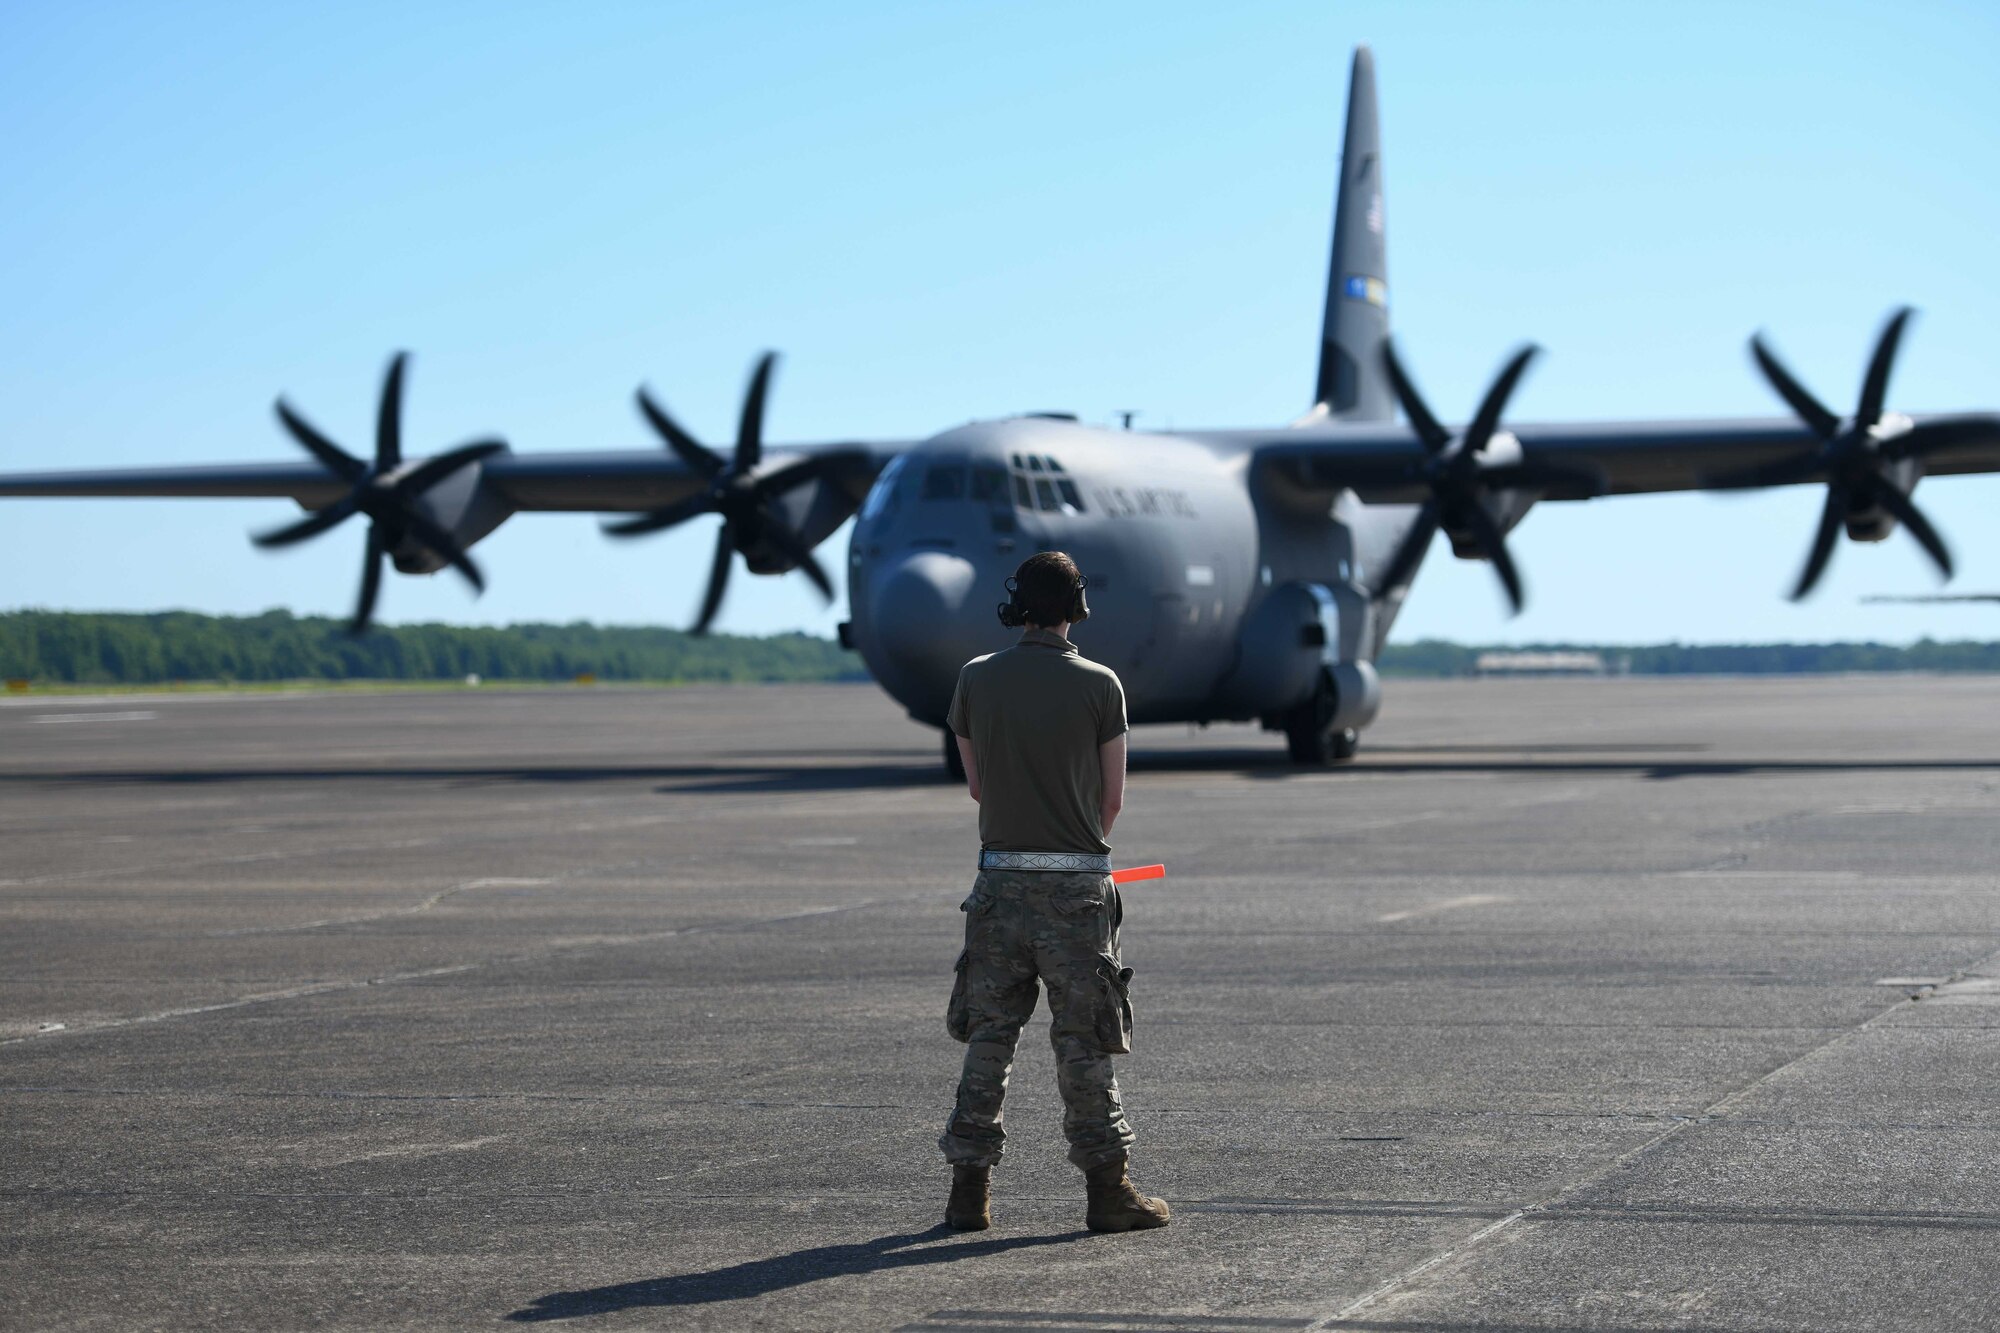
x=1036, y=714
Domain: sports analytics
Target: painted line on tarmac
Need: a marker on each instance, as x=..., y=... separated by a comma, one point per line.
x=136, y=715
x=1448, y=905
x=410, y=1150
x=1556, y=1200
x=490, y=882
x=425, y=974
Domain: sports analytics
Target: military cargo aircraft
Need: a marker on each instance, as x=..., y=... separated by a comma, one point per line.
x=1941, y=597
x=1233, y=574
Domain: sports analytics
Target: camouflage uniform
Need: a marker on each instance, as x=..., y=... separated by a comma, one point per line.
x=1062, y=928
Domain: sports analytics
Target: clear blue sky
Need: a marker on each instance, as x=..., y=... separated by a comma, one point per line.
x=946, y=211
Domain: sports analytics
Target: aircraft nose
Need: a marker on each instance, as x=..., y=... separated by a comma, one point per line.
x=922, y=628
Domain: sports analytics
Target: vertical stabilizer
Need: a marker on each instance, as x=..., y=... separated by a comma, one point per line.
x=1352, y=385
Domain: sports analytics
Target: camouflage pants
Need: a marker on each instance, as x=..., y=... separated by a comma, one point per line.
x=1060, y=928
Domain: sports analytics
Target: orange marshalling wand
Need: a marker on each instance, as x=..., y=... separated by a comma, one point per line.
x=1138, y=872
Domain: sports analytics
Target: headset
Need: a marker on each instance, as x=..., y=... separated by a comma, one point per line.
x=1013, y=615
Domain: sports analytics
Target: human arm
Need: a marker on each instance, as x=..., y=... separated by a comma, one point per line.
x=1111, y=764
x=965, y=757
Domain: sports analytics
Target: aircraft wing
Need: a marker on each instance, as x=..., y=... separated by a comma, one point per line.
x=625, y=481
x=308, y=483
x=1388, y=464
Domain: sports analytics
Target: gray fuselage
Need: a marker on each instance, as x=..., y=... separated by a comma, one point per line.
x=1180, y=547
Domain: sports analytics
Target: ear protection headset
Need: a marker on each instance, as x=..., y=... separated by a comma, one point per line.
x=1014, y=615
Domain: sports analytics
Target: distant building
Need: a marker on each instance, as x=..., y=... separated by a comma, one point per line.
x=1541, y=664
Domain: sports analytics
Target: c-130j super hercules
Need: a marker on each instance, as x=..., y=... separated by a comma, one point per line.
x=1234, y=574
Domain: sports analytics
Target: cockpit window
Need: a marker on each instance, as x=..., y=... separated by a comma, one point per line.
x=881, y=499
x=1052, y=492
x=944, y=481
x=989, y=483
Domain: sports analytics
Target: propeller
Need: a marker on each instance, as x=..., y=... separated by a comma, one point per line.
x=1460, y=482
x=744, y=494
x=1856, y=457
x=387, y=495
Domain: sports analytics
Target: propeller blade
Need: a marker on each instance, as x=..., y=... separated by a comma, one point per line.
x=1814, y=413
x=1875, y=387
x=1546, y=477
x=1784, y=472
x=1487, y=418
x=1911, y=517
x=718, y=575
x=691, y=451
x=701, y=502
x=1434, y=436
x=432, y=470
x=443, y=543
x=389, y=420
x=1830, y=519
x=1402, y=566
x=371, y=584
x=1487, y=533
x=750, y=432
x=795, y=550
x=336, y=459
x=310, y=526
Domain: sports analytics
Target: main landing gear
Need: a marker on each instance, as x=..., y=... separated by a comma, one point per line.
x=1310, y=735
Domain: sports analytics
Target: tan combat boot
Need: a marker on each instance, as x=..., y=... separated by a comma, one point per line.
x=968, y=1208
x=1115, y=1205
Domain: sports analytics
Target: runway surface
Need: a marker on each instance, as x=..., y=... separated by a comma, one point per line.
x=1611, y=1005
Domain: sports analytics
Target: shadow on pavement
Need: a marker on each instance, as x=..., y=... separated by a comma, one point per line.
x=779, y=776
x=761, y=1276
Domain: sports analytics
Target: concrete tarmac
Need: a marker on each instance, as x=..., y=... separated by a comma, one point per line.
x=1610, y=1005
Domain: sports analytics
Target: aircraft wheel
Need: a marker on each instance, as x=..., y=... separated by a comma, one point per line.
x=1311, y=736
x=954, y=762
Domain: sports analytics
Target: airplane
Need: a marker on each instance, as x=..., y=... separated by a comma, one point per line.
x=1939, y=597
x=1234, y=575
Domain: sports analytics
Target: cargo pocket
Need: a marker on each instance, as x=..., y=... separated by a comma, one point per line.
x=1114, y=1008
x=957, y=1012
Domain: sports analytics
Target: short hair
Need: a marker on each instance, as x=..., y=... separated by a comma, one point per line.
x=1048, y=589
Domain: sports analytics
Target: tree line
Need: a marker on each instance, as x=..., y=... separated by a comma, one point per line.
x=1438, y=658
x=85, y=648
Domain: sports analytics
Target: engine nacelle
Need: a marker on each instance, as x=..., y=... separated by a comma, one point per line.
x=462, y=504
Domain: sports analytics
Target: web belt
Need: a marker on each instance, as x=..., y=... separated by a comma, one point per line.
x=1094, y=863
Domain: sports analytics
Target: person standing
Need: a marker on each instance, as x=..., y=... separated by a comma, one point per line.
x=1042, y=732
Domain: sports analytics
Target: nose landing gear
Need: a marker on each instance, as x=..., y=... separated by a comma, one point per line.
x=1310, y=733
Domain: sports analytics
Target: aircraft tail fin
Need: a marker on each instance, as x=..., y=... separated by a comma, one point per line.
x=1352, y=385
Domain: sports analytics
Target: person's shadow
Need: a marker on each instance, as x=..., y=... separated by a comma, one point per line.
x=776, y=1273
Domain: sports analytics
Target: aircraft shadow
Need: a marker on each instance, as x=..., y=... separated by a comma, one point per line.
x=780, y=774
x=761, y=1276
